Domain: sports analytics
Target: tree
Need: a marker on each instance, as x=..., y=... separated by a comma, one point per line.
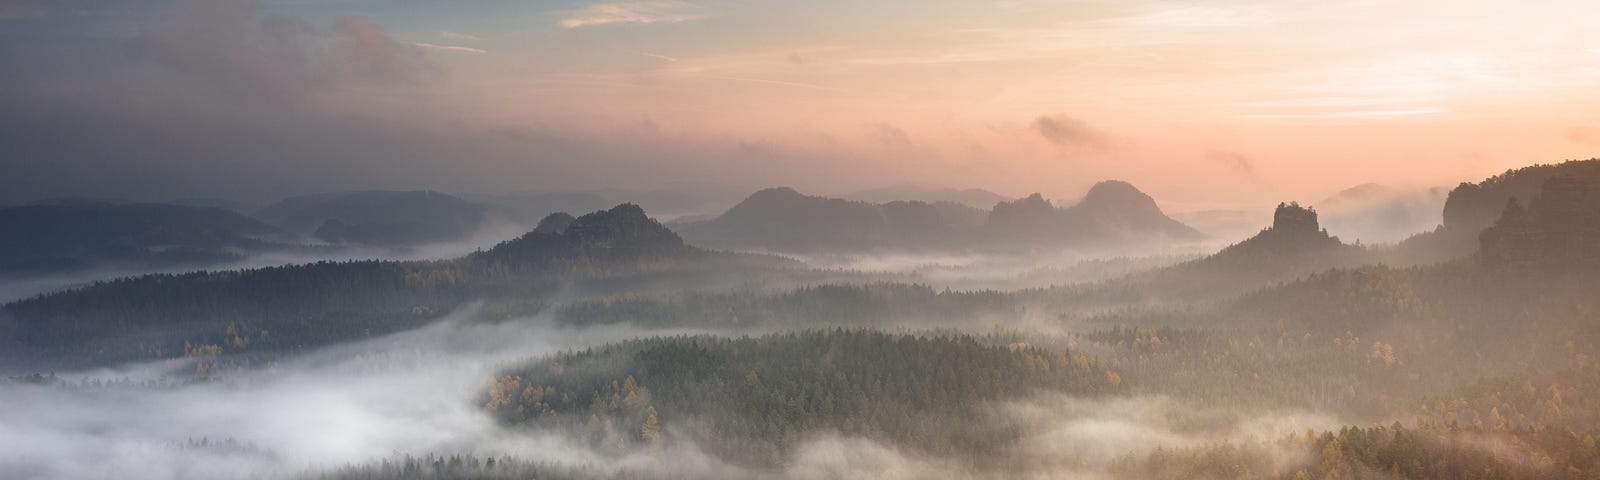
x=650, y=431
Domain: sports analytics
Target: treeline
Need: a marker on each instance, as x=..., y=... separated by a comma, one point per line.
x=1425, y=451
x=473, y=467
x=276, y=309
x=752, y=399
x=818, y=305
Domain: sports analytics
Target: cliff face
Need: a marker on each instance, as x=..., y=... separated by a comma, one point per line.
x=1292, y=219
x=1560, y=230
x=1473, y=207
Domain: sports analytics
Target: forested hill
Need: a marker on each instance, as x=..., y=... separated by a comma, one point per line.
x=1535, y=280
x=1472, y=207
x=69, y=236
x=1293, y=247
x=299, y=306
x=378, y=217
x=1112, y=214
x=749, y=400
x=621, y=234
x=784, y=219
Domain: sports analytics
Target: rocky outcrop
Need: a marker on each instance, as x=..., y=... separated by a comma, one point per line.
x=1560, y=230
x=623, y=233
x=1473, y=207
x=1293, y=219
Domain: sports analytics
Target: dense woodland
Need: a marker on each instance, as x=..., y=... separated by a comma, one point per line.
x=1423, y=451
x=752, y=398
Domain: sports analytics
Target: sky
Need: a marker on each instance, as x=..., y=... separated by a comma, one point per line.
x=1207, y=104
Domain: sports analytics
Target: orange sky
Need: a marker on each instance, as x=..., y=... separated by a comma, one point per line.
x=1202, y=104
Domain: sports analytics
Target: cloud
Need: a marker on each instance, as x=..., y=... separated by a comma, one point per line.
x=1069, y=132
x=659, y=56
x=808, y=86
x=1584, y=135
x=1236, y=163
x=450, y=48
x=23, y=9
x=448, y=35
x=375, y=53
x=1197, y=17
x=234, y=46
x=652, y=11
x=1349, y=114
x=890, y=135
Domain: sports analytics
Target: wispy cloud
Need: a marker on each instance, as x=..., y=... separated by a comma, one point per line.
x=650, y=11
x=1196, y=17
x=1066, y=131
x=450, y=48
x=1410, y=112
x=810, y=86
x=448, y=35
x=659, y=56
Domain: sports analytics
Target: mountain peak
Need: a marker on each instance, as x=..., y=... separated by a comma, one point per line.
x=623, y=232
x=775, y=193
x=1119, y=195
x=555, y=223
x=624, y=226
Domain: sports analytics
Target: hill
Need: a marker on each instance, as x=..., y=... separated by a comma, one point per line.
x=1472, y=207
x=671, y=201
x=623, y=233
x=1560, y=230
x=1294, y=246
x=749, y=400
x=385, y=218
x=1112, y=214
x=72, y=236
x=971, y=197
x=784, y=219
x=1534, y=274
x=290, y=308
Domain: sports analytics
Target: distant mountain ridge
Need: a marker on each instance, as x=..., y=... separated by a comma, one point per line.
x=1112, y=213
x=972, y=197
x=70, y=236
x=377, y=217
x=784, y=219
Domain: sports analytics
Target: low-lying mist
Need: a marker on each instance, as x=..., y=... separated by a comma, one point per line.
x=418, y=392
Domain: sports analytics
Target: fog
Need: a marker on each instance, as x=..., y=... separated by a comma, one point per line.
x=412, y=392
x=417, y=392
x=1002, y=271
